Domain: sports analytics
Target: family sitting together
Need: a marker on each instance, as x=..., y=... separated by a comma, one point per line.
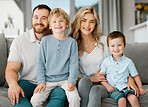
x=44, y=64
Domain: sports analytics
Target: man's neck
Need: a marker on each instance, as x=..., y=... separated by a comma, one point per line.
x=40, y=36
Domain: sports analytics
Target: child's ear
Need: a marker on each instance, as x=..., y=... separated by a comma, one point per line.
x=49, y=27
x=66, y=26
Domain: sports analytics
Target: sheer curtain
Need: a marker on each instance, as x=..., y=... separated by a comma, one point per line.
x=110, y=15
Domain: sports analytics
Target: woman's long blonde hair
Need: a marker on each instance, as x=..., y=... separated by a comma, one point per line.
x=75, y=27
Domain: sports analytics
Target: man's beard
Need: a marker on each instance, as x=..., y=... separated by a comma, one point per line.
x=40, y=31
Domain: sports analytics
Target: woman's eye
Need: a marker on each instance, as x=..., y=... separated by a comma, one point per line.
x=83, y=20
x=92, y=22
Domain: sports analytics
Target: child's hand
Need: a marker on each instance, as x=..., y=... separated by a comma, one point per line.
x=142, y=91
x=110, y=89
x=40, y=87
x=71, y=86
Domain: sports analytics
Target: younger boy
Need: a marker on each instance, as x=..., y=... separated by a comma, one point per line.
x=57, y=63
x=117, y=68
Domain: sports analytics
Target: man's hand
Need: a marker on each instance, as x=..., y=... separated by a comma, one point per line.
x=98, y=77
x=40, y=87
x=14, y=92
x=71, y=86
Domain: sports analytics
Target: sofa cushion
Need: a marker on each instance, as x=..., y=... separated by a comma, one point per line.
x=8, y=42
x=139, y=54
x=3, y=58
x=4, y=101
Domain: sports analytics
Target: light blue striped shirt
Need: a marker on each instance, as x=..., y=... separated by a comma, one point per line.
x=57, y=60
x=117, y=72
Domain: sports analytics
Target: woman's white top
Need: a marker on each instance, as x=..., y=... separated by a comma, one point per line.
x=89, y=64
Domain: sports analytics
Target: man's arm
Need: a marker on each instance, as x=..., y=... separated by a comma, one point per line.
x=11, y=75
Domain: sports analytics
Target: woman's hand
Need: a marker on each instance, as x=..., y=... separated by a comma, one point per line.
x=40, y=87
x=131, y=84
x=98, y=77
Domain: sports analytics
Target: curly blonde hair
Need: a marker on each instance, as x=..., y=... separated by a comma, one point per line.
x=75, y=27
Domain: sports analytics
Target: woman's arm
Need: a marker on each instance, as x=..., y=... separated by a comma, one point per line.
x=131, y=84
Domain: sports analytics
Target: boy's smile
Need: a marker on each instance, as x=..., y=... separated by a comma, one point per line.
x=58, y=24
x=116, y=47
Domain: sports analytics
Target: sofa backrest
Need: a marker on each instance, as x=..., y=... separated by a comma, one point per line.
x=3, y=59
x=138, y=52
x=4, y=51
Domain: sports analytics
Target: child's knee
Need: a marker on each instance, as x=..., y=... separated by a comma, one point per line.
x=35, y=101
x=133, y=99
x=122, y=100
x=74, y=98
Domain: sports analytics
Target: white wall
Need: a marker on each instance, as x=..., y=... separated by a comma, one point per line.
x=128, y=19
x=9, y=7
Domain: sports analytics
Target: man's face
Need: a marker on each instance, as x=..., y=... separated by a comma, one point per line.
x=40, y=20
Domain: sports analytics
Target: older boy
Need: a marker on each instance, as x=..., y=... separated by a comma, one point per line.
x=57, y=63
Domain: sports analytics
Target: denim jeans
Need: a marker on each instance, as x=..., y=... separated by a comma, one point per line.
x=57, y=97
x=116, y=94
x=91, y=94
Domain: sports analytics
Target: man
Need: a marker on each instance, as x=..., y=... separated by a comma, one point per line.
x=21, y=65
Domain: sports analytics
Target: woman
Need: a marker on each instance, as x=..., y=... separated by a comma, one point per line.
x=92, y=48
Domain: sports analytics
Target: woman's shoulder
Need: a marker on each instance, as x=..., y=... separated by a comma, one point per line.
x=103, y=39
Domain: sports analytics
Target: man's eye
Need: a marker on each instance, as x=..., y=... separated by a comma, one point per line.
x=43, y=18
x=61, y=20
x=35, y=17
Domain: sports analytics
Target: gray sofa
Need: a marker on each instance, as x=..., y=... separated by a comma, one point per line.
x=137, y=52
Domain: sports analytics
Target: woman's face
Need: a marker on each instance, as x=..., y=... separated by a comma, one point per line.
x=87, y=24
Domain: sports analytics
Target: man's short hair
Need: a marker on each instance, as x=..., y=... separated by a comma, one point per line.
x=42, y=6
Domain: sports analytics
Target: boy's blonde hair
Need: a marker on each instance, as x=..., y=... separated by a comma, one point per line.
x=75, y=27
x=59, y=12
x=114, y=35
